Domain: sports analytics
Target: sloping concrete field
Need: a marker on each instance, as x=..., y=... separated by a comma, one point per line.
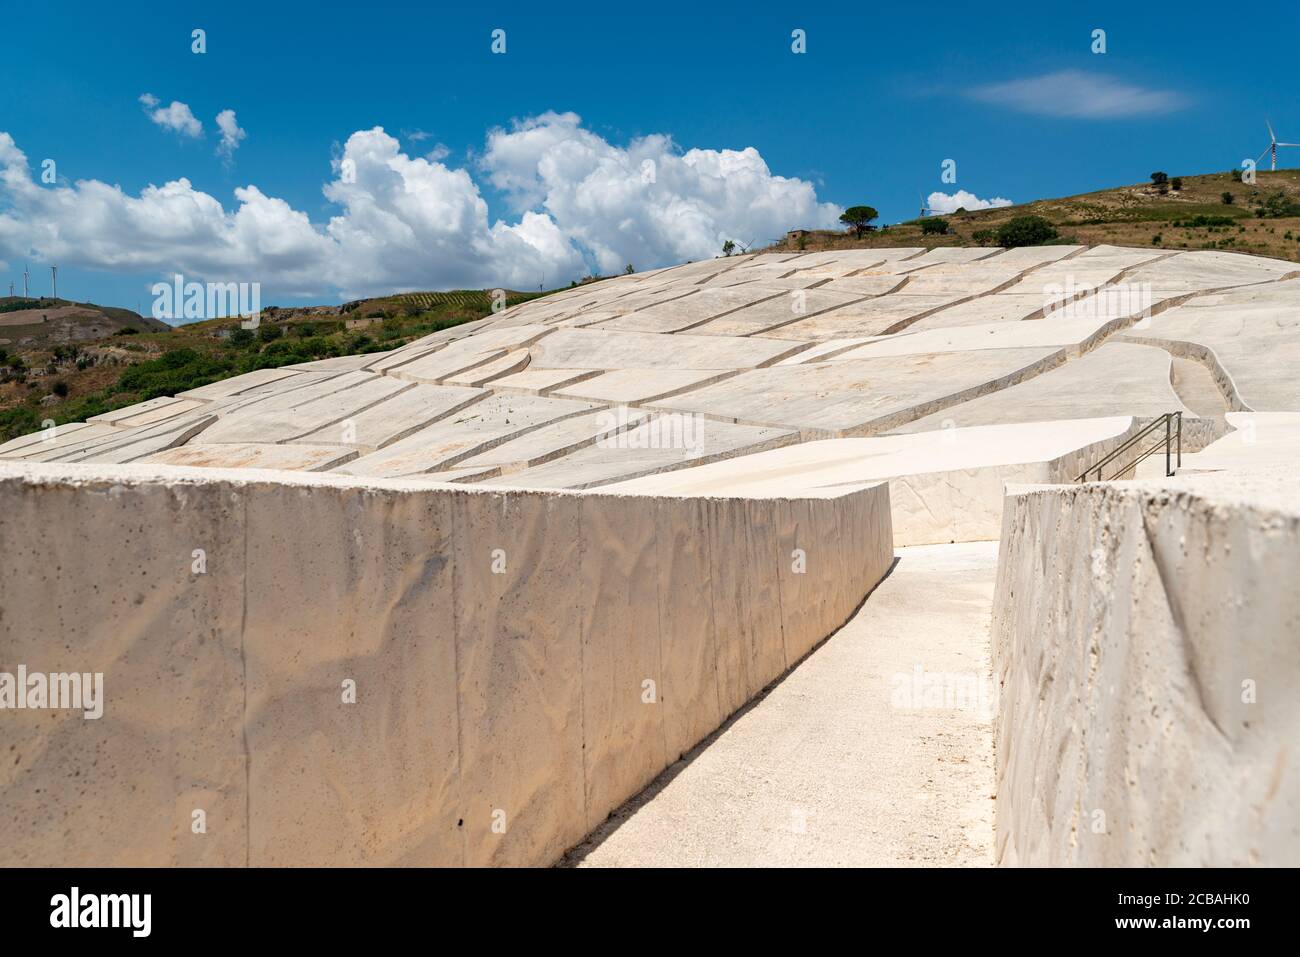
x=456, y=602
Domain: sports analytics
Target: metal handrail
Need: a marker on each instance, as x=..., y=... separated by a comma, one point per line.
x=1173, y=438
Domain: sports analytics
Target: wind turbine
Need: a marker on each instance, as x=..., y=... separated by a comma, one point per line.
x=54, y=281
x=924, y=210
x=26, y=274
x=1273, y=144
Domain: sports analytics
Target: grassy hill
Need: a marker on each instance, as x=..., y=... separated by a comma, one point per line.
x=1263, y=219
x=102, y=358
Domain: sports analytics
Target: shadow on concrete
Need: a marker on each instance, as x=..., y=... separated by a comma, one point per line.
x=577, y=854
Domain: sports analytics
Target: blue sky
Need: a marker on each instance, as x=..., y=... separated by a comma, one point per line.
x=884, y=94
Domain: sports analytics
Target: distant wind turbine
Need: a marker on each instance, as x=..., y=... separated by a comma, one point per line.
x=1273, y=144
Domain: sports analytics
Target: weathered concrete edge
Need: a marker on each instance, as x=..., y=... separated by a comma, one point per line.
x=543, y=672
x=1148, y=673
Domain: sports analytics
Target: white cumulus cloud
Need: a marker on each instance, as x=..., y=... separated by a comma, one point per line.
x=414, y=222
x=177, y=117
x=950, y=203
x=231, y=134
x=646, y=203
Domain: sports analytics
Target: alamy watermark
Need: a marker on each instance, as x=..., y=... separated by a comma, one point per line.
x=76, y=909
x=923, y=690
x=1071, y=300
x=56, y=691
x=619, y=429
x=207, y=300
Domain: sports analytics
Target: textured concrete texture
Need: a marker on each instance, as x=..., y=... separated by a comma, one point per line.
x=871, y=753
x=945, y=486
x=1115, y=379
x=848, y=343
x=1144, y=638
x=1258, y=439
x=523, y=662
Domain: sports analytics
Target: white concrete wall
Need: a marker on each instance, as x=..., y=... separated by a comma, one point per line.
x=965, y=505
x=1145, y=637
x=518, y=695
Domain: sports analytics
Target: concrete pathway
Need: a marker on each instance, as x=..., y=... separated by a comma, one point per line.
x=876, y=750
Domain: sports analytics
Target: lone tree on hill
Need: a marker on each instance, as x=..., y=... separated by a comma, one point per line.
x=728, y=248
x=1159, y=179
x=934, y=226
x=858, y=218
x=1025, y=231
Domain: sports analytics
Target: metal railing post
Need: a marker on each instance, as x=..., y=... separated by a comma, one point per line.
x=1169, y=445
x=1134, y=441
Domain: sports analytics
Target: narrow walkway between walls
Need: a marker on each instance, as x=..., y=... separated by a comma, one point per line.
x=876, y=750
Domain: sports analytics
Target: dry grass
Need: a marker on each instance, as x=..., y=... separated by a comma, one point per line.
x=1137, y=215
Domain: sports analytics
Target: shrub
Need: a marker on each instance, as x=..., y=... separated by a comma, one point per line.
x=1226, y=198
x=60, y=389
x=934, y=226
x=172, y=372
x=1204, y=222
x=1176, y=183
x=1025, y=231
x=269, y=333
x=1278, y=205
x=1159, y=179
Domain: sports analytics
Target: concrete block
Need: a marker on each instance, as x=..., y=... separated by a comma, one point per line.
x=1148, y=673
x=356, y=588
x=100, y=579
x=518, y=653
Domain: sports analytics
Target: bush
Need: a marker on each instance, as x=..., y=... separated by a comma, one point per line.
x=985, y=237
x=1204, y=222
x=241, y=337
x=172, y=372
x=269, y=333
x=1176, y=183
x=20, y=304
x=1278, y=205
x=60, y=389
x=934, y=226
x=1226, y=198
x=1025, y=231
x=1159, y=179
